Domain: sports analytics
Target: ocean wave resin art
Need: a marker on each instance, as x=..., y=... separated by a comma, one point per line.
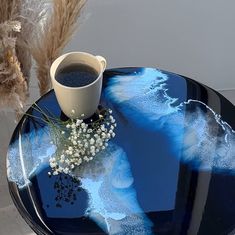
x=169, y=170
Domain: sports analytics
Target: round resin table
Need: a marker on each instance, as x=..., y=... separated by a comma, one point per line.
x=170, y=169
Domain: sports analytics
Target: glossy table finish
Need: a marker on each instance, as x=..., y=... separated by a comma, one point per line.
x=169, y=170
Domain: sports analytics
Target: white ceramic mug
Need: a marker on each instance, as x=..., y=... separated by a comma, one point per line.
x=76, y=101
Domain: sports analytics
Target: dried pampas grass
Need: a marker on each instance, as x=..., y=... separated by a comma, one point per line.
x=19, y=21
x=13, y=88
x=32, y=29
x=54, y=36
x=9, y=9
x=32, y=13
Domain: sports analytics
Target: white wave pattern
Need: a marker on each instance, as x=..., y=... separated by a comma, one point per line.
x=145, y=92
x=28, y=154
x=112, y=199
x=200, y=138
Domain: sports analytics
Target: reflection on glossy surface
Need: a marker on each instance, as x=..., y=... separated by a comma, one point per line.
x=32, y=149
x=112, y=202
x=162, y=174
x=204, y=140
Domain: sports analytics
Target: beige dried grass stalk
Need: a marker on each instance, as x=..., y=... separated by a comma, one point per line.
x=32, y=12
x=13, y=88
x=54, y=36
x=9, y=9
x=19, y=21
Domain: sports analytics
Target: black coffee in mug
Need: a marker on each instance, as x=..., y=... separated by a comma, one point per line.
x=76, y=75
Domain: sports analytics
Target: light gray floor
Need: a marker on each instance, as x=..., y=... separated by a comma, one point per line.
x=11, y=222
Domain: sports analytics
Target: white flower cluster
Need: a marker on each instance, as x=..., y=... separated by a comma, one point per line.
x=82, y=142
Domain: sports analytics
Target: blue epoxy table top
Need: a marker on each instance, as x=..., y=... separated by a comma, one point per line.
x=169, y=170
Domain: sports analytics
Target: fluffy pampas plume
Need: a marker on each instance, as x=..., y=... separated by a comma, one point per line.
x=53, y=36
x=19, y=20
x=32, y=14
x=32, y=29
x=13, y=87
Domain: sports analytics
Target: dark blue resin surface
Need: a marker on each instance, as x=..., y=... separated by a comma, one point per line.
x=170, y=169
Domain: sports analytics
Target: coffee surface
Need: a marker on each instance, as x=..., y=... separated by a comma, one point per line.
x=76, y=75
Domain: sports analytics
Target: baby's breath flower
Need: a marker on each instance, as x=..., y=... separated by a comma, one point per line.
x=102, y=128
x=82, y=142
x=66, y=170
x=53, y=165
x=92, y=141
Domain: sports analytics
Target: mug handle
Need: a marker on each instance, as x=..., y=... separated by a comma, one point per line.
x=102, y=60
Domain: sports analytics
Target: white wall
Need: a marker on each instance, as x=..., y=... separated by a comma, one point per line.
x=195, y=38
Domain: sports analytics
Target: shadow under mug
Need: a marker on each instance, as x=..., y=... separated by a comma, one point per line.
x=78, y=101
